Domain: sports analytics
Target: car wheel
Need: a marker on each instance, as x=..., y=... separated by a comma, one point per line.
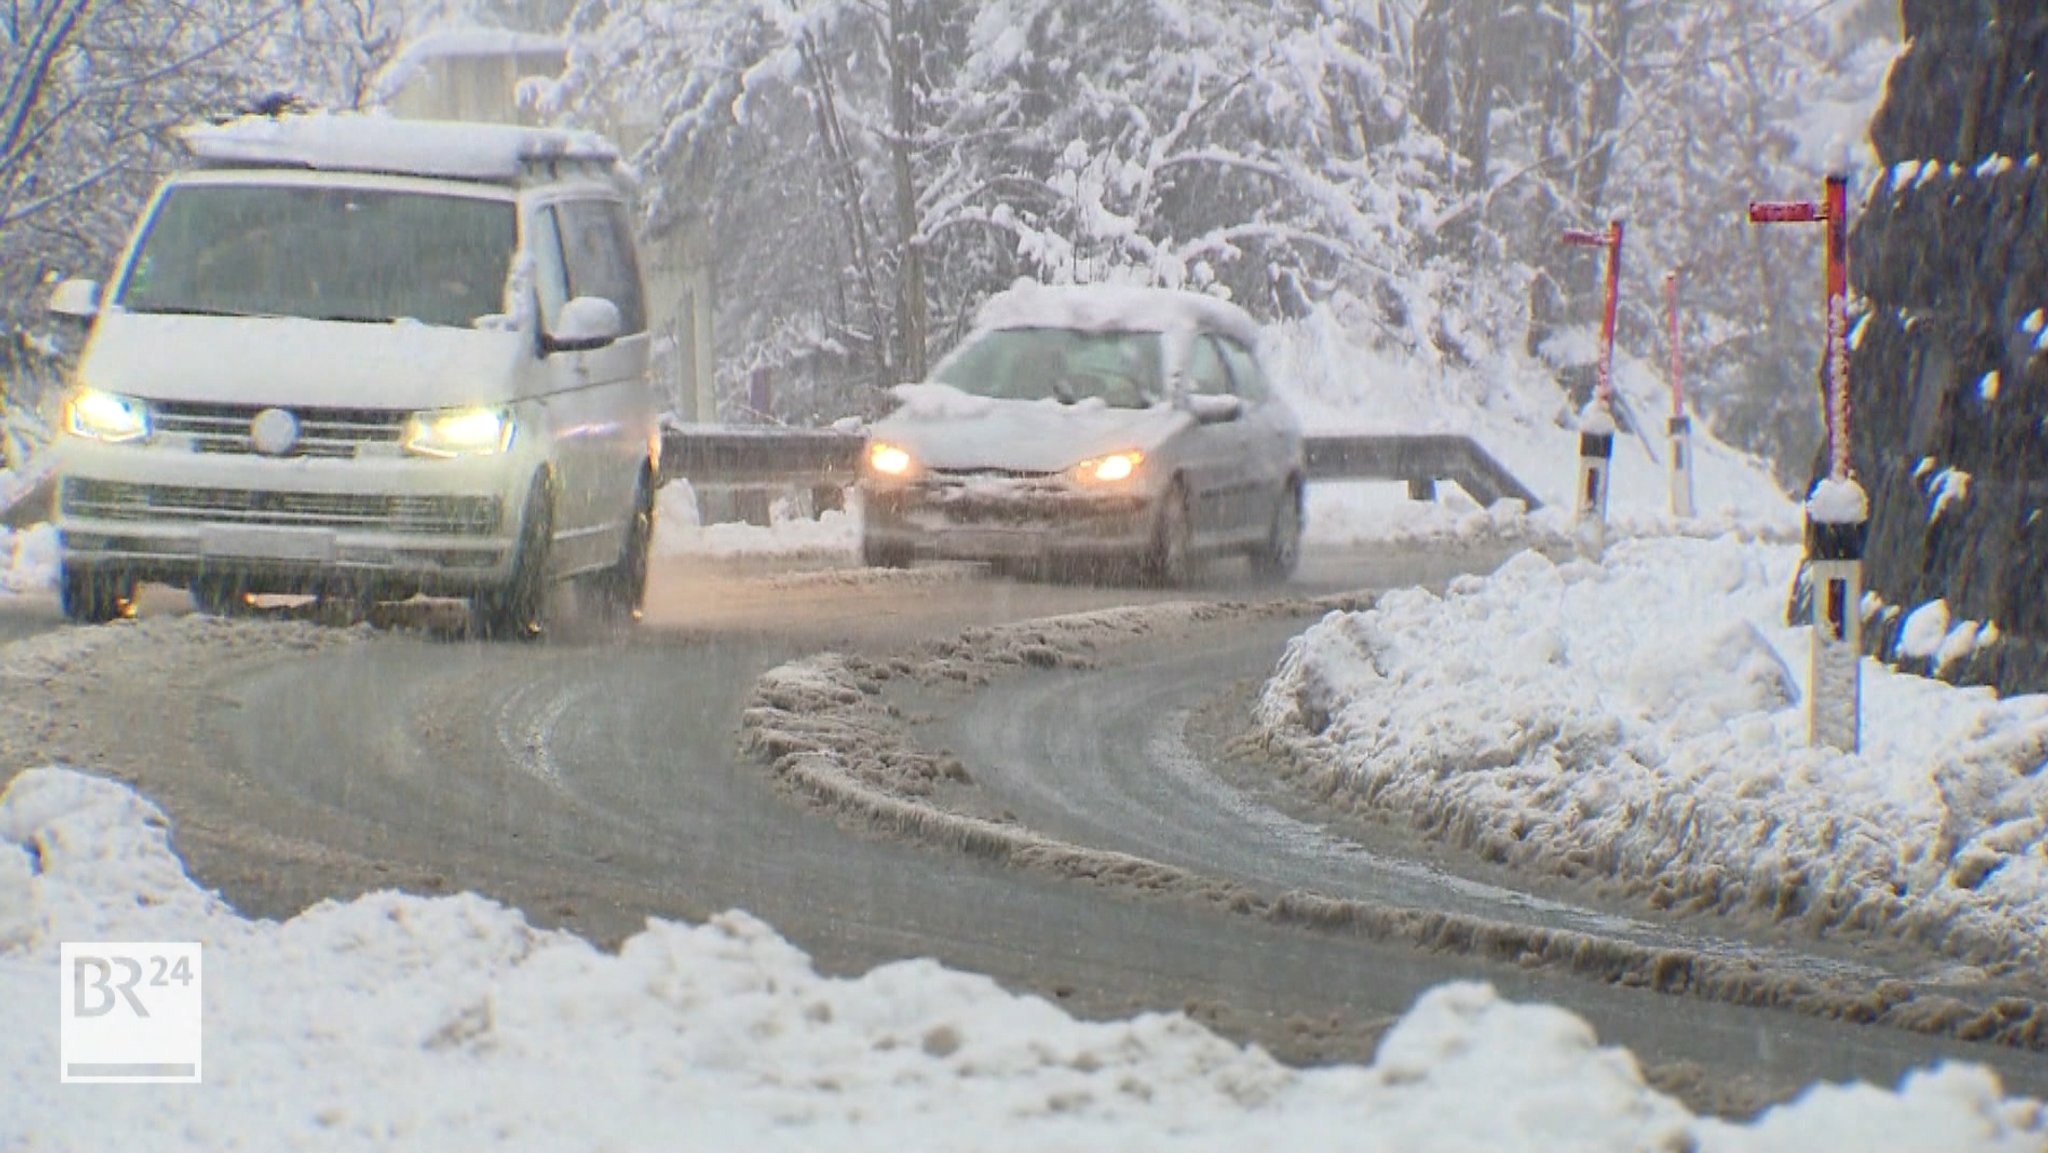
x=517, y=610
x=220, y=596
x=91, y=598
x=1171, y=558
x=619, y=593
x=1280, y=554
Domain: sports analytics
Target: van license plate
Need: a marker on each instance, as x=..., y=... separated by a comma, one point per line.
x=270, y=544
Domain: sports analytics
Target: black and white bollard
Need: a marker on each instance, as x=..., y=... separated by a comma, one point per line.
x=1837, y=517
x=1596, y=456
x=1681, y=467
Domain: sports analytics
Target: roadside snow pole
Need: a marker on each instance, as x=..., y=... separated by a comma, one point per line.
x=1596, y=422
x=1681, y=424
x=1838, y=510
x=1837, y=515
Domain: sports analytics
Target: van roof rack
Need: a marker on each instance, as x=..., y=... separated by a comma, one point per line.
x=358, y=142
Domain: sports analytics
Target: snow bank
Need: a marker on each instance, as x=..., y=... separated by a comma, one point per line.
x=28, y=559
x=449, y=1022
x=678, y=531
x=1344, y=513
x=1643, y=720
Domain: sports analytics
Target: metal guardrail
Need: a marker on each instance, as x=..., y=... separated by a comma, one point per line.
x=738, y=455
x=759, y=454
x=1421, y=459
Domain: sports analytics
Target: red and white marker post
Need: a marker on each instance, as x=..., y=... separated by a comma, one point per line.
x=1838, y=510
x=1681, y=424
x=1596, y=422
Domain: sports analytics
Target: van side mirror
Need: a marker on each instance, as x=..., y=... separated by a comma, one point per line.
x=77, y=298
x=586, y=322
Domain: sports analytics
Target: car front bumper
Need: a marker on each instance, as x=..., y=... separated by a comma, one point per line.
x=445, y=527
x=1024, y=520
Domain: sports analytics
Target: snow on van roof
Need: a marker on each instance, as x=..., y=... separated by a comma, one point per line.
x=356, y=142
x=1113, y=308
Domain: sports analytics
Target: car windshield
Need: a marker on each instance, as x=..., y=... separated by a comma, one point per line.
x=325, y=253
x=1121, y=369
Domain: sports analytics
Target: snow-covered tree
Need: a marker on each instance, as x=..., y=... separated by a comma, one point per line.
x=869, y=170
x=88, y=95
x=877, y=168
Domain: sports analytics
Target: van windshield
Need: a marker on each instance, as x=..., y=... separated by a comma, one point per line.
x=324, y=253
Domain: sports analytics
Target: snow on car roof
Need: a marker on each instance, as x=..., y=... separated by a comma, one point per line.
x=355, y=142
x=1113, y=308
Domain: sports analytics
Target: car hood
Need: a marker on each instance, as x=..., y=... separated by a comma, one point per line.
x=942, y=427
x=307, y=363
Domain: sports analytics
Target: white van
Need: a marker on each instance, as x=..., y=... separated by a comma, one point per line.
x=353, y=356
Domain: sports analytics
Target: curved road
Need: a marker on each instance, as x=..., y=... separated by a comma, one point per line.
x=594, y=782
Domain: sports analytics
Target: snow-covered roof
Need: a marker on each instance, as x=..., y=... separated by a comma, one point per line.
x=468, y=42
x=1114, y=308
x=482, y=42
x=355, y=142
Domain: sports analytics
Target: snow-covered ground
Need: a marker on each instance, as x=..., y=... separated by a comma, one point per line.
x=450, y=1023
x=1643, y=718
x=28, y=559
x=791, y=532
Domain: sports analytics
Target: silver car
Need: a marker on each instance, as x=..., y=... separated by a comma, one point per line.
x=1090, y=423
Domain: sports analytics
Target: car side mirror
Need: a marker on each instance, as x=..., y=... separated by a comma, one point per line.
x=1208, y=408
x=586, y=322
x=77, y=298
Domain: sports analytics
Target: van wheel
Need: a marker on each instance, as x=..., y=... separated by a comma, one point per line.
x=517, y=610
x=1280, y=553
x=619, y=593
x=91, y=598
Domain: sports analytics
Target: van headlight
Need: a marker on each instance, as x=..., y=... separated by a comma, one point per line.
x=107, y=417
x=460, y=432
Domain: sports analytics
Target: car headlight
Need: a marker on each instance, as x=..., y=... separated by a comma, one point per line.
x=105, y=416
x=886, y=459
x=460, y=432
x=1112, y=469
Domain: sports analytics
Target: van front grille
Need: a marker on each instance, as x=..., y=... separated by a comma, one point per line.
x=323, y=432
x=418, y=515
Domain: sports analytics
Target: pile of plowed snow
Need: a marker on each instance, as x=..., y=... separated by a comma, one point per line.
x=451, y=1023
x=1643, y=718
